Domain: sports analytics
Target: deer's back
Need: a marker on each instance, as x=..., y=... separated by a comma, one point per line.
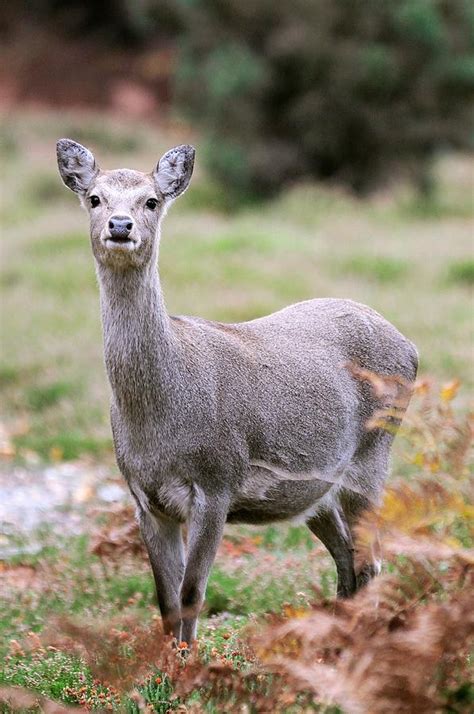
x=315, y=336
x=358, y=332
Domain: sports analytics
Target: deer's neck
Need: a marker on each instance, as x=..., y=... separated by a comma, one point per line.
x=140, y=347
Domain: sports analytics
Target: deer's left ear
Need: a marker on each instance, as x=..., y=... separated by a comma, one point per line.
x=76, y=164
x=174, y=170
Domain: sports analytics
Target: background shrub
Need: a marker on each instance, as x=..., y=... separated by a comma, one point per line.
x=345, y=90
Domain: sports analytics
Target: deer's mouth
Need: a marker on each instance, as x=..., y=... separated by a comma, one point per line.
x=119, y=239
x=120, y=242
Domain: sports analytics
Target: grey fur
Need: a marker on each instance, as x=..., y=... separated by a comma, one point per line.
x=212, y=422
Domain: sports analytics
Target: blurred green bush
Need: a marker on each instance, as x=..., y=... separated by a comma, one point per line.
x=341, y=90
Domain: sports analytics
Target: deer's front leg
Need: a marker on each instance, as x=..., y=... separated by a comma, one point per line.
x=164, y=543
x=206, y=525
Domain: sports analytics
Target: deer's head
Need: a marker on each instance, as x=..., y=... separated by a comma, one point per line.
x=125, y=207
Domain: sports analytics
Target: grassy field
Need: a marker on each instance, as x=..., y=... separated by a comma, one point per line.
x=411, y=261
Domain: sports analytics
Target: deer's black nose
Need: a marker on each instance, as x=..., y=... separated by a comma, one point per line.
x=120, y=227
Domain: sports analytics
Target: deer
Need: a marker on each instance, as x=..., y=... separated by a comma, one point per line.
x=215, y=423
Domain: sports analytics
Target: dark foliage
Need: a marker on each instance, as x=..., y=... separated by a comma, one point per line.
x=344, y=90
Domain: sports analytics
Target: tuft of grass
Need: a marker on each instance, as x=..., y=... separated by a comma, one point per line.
x=381, y=269
x=49, y=246
x=8, y=140
x=269, y=590
x=123, y=590
x=8, y=375
x=43, y=188
x=461, y=272
x=67, y=445
x=103, y=137
x=221, y=595
x=51, y=674
x=42, y=397
x=435, y=208
x=71, y=580
x=208, y=196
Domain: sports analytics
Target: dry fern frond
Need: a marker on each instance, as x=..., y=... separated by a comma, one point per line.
x=120, y=536
x=118, y=652
x=387, y=661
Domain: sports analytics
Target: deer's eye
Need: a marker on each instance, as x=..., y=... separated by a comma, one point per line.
x=95, y=200
x=151, y=204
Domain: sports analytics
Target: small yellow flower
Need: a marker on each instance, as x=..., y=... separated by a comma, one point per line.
x=449, y=390
x=56, y=453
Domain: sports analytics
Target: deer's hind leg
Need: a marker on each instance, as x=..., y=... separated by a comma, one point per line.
x=367, y=564
x=362, y=491
x=332, y=529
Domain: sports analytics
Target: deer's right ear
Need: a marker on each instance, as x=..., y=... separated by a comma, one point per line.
x=76, y=164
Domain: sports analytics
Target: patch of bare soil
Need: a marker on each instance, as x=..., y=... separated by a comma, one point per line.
x=18, y=576
x=59, y=496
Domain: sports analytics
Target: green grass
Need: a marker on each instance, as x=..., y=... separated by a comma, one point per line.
x=48, y=675
x=42, y=188
x=64, y=444
x=461, y=272
x=71, y=580
x=381, y=270
x=41, y=397
x=65, y=678
x=8, y=375
x=64, y=243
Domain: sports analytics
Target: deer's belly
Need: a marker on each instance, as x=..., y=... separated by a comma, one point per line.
x=269, y=495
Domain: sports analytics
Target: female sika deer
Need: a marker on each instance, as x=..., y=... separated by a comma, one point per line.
x=250, y=422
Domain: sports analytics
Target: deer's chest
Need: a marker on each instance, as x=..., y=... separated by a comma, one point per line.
x=159, y=484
